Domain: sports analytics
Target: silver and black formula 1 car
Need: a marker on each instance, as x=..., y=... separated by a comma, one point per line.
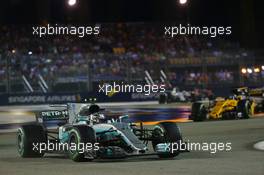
x=84, y=133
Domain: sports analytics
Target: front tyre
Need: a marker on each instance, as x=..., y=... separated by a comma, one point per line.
x=199, y=112
x=167, y=132
x=80, y=135
x=244, y=107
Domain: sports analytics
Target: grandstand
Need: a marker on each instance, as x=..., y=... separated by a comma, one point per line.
x=123, y=52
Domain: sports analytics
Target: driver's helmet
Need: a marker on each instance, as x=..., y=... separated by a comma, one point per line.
x=90, y=113
x=84, y=111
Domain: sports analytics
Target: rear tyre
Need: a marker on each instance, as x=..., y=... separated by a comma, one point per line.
x=163, y=98
x=81, y=134
x=229, y=115
x=244, y=107
x=167, y=132
x=199, y=112
x=27, y=137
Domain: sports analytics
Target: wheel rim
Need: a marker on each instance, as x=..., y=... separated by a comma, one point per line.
x=73, y=139
x=158, y=135
x=249, y=110
x=19, y=142
x=202, y=113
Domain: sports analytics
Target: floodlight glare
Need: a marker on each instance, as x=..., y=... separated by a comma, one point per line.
x=256, y=70
x=72, y=2
x=250, y=71
x=182, y=2
x=244, y=70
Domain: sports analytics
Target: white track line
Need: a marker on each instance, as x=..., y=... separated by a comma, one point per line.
x=259, y=146
x=15, y=130
x=8, y=130
x=47, y=106
x=129, y=103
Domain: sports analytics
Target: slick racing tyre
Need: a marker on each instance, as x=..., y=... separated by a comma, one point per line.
x=199, y=112
x=29, y=136
x=80, y=135
x=163, y=98
x=229, y=115
x=167, y=132
x=244, y=107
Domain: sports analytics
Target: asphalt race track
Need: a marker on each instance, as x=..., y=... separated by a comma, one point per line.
x=243, y=159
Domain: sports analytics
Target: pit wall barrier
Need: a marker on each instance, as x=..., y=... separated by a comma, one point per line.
x=60, y=98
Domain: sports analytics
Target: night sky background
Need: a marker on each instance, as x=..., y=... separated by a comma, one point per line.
x=245, y=16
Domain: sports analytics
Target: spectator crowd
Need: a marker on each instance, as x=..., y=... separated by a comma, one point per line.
x=120, y=51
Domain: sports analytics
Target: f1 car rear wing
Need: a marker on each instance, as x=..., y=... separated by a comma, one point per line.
x=258, y=92
x=252, y=92
x=61, y=114
x=57, y=117
x=66, y=114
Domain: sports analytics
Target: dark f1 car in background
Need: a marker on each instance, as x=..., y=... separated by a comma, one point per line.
x=175, y=95
x=80, y=123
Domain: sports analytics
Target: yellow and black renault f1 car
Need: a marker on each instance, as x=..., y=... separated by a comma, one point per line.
x=238, y=106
